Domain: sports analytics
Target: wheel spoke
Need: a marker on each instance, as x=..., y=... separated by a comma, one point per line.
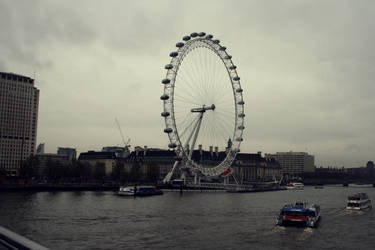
x=203, y=105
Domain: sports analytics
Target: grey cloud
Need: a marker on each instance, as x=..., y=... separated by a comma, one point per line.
x=34, y=25
x=3, y=66
x=307, y=68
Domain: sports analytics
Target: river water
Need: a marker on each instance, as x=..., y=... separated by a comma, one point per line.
x=193, y=220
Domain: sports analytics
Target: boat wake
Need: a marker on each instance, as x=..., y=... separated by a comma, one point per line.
x=306, y=234
x=308, y=230
x=344, y=212
x=277, y=228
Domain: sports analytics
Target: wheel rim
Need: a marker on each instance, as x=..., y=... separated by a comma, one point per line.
x=193, y=80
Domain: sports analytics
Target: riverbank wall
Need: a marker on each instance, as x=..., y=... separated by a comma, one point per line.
x=58, y=187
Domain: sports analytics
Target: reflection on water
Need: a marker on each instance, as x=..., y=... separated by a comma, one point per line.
x=103, y=220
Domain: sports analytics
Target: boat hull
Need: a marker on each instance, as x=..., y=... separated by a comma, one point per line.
x=149, y=193
x=125, y=193
x=369, y=206
x=299, y=222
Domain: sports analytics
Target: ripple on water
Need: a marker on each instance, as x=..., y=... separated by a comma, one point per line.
x=101, y=220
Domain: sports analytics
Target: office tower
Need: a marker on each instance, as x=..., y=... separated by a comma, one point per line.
x=19, y=100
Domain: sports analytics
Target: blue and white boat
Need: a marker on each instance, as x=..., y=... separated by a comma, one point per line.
x=300, y=213
x=139, y=191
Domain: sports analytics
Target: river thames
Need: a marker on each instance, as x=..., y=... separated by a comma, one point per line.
x=193, y=220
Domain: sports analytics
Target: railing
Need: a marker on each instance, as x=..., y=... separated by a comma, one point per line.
x=220, y=186
x=238, y=187
x=12, y=240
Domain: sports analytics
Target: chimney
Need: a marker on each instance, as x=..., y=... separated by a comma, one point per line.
x=217, y=151
x=260, y=153
x=144, y=150
x=211, y=151
x=200, y=149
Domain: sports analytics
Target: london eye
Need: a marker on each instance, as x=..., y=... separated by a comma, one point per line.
x=202, y=104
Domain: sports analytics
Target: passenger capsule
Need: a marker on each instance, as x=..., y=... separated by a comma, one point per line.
x=236, y=78
x=242, y=115
x=233, y=67
x=165, y=114
x=209, y=36
x=194, y=34
x=186, y=38
x=173, y=54
x=165, y=81
x=239, y=90
x=168, y=130
x=201, y=34
x=223, y=48
x=164, y=97
x=241, y=127
x=216, y=41
x=228, y=57
x=239, y=139
x=179, y=45
x=241, y=103
x=172, y=145
x=168, y=66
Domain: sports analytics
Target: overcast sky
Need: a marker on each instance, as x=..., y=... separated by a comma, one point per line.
x=306, y=67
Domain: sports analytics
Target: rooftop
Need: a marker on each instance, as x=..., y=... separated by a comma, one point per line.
x=15, y=77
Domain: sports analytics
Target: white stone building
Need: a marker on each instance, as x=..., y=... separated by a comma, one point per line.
x=294, y=163
x=108, y=159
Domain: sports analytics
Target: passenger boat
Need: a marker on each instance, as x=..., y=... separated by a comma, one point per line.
x=358, y=201
x=294, y=185
x=300, y=213
x=139, y=191
x=359, y=185
x=126, y=191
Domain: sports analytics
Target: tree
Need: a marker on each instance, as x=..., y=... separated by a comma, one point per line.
x=3, y=172
x=153, y=172
x=29, y=167
x=83, y=171
x=135, y=172
x=118, y=171
x=370, y=170
x=55, y=170
x=99, y=171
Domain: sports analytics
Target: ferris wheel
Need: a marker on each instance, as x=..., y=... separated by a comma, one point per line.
x=202, y=104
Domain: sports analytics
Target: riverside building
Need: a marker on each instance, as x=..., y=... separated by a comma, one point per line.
x=294, y=163
x=246, y=167
x=19, y=101
x=71, y=153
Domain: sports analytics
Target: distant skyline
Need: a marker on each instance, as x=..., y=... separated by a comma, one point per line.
x=307, y=69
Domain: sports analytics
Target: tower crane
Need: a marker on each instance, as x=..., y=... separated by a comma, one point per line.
x=126, y=144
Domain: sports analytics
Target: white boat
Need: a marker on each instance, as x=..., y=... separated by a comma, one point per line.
x=360, y=185
x=358, y=201
x=294, y=185
x=126, y=191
